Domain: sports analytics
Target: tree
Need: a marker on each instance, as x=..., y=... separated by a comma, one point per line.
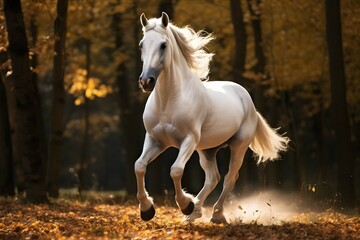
x=7, y=187
x=85, y=144
x=339, y=108
x=57, y=126
x=237, y=18
x=254, y=9
x=166, y=6
x=260, y=100
x=27, y=140
x=126, y=115
x=34, y=62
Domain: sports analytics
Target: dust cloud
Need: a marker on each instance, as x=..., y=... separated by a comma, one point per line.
x=266, y=208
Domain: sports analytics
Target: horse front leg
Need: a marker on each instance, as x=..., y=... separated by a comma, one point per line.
x=150, y=151
x=185, y=201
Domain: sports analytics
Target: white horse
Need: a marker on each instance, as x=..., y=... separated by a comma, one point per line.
x=185, y=112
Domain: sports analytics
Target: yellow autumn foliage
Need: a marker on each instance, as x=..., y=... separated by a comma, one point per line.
x=83, y=87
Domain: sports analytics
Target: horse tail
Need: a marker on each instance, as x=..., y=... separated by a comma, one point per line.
x=267, y=143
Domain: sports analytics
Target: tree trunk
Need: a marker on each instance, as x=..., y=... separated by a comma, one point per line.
x=261, y=102
x=131, y=129
x=299, y=171
x=7, y=185
x=26, y=103
x=237, y=18
x=254, y=10
x=322, y=190
x=34, y=64
x=57, y=126
x=166, y=6
x=340, y=118
x=84, y=149
x=127, y=136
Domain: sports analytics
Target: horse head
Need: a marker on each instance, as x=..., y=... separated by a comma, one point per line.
x=155, y=53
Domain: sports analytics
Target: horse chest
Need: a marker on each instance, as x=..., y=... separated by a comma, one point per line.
x=165, y=132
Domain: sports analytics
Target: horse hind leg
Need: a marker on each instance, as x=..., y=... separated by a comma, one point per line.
x=212, y=177
x=237, y=156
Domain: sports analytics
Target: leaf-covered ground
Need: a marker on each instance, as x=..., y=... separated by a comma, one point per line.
x=69, y=218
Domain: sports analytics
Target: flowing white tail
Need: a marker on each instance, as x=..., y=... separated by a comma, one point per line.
x=267, y=143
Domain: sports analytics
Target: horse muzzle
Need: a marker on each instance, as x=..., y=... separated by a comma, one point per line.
x=147, y=85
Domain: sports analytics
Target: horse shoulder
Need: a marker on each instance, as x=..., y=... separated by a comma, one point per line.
x=150, y=114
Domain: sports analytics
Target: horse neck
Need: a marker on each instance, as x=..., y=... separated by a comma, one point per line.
x=174, y=81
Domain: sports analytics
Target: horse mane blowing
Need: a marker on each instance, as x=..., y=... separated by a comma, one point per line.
x=192, y=46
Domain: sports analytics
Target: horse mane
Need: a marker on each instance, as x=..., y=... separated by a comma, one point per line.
x=192, y=46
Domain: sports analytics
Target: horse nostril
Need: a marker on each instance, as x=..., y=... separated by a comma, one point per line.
x=150, y=80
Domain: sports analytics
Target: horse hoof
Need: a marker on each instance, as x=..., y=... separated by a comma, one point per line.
x=189, y=209
x=148, y=214
x=220, y=220
x=193, y=216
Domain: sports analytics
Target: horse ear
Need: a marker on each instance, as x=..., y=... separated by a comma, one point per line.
x=164, y=19
x=143, y=20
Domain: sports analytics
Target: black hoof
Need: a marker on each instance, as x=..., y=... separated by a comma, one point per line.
x=189, y=209
x=148, y=214
x=221, y=220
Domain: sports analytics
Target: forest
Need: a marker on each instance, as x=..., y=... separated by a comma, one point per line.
x=71, y=107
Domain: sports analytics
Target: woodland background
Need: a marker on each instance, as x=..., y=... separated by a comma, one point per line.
x=88, y=136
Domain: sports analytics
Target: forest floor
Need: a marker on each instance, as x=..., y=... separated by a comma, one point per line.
x=118, y=218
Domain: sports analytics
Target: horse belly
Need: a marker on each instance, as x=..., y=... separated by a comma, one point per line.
x=218, y=132
x=212, y=141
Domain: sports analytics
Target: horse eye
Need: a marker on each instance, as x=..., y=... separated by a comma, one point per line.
x=163, y=46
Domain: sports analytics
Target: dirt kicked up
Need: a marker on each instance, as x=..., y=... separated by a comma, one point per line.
x=106, y=219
